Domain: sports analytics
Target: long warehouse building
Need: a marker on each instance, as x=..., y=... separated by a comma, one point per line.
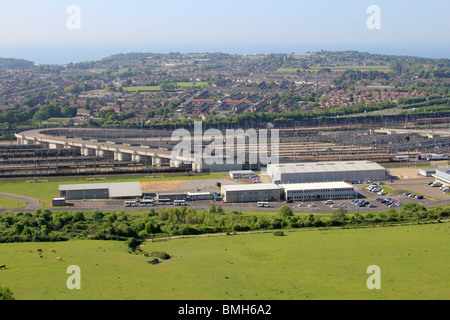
x=251, y=192
x=326, y=172
x=119, y=190
x=294, y=192
x=318, y=191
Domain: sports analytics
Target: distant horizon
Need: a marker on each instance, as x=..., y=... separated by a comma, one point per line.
x=63, y=31
x=60, y=55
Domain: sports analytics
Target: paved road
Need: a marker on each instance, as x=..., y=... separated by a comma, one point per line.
x=32, y=204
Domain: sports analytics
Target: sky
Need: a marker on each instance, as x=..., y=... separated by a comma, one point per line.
x=50, y=31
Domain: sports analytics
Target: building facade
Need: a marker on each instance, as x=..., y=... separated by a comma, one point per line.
x=251, y=193
x=326, y=172
x=318, y=191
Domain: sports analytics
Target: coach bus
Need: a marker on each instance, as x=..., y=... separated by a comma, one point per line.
x=179, y=202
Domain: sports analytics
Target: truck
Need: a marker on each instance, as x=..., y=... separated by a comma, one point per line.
x=436, y=157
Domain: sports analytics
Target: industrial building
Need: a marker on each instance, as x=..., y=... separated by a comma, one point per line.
x=58, y=202
x=326, y=172
x=442, y=175
x=251, y=192
x=318, y=191
x=426, y=172
x=119, y=190
x=242, y=174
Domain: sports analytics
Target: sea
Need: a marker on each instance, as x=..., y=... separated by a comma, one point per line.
x=59, y=55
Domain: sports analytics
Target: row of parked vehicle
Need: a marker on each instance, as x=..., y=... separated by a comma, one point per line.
x=444, y=188
x=412, y=195
x=389, y=202
x=363, y=203
x=376, y=189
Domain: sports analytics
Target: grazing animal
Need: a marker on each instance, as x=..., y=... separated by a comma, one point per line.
x=39, y=250
x=52, y=250
x=59, y=258
x=3, y=266
x=145, y=254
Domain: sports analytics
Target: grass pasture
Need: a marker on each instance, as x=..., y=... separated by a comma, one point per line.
x=9, y=203
x=307, y=264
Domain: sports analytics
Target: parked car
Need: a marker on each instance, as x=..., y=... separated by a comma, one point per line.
x=301, y=205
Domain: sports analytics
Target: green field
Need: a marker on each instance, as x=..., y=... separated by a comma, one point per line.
x=48, y=189
x=9, y=203
x=307, y=264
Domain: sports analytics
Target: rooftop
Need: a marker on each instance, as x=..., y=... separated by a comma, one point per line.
x=327, y=166
x=316, y=186
x=116, y=190
x=253, y=187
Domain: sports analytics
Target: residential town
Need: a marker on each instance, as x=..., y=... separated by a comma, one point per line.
x=178, y=88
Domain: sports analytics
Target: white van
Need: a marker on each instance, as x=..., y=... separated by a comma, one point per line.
x=263, y=204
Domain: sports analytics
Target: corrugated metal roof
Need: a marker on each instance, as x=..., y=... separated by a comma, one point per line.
x=316, y=186
x=251, y=187
x=116, y=190
x=327, y=167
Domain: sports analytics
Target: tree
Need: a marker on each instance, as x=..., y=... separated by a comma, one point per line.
x=69, y=112
x=212, y=208
x=6, y=294
x=98, y=215
x=285, y=212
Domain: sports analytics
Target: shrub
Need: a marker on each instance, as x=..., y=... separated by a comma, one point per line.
x=160, y=254
x=6, y=294
x=278, y=233
x=285, y=212
x=133, y=243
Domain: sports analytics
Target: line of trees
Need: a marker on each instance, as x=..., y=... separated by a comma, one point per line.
x=46, y=225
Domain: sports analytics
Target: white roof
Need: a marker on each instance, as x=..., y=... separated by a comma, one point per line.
x=116, y=190
x=242, y=171
x=251, y=187
x=327, y=167
x=316, y=186
x=198, y=194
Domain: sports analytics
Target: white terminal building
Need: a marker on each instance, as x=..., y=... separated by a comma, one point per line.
x=318, y=191
x=295, y=192
x=326, y=172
